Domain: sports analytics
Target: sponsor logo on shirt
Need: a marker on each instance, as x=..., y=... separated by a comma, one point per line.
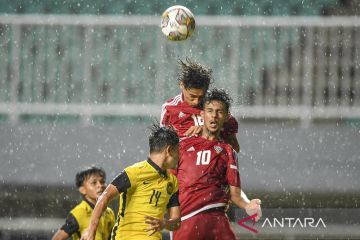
x=181, y=114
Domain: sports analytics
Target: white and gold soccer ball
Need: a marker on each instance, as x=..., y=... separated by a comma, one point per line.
x=177, y=23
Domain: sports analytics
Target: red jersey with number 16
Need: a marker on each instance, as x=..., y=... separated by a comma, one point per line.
x=181, y=116
x=205, y=171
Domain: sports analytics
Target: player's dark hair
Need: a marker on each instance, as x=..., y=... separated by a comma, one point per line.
x=217, y=94
x=86, y=173
x=194, y=75
x=161, y=137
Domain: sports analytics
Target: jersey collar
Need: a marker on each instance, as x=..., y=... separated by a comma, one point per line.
x=88, y=202
x=157, y=168
x=182, y=98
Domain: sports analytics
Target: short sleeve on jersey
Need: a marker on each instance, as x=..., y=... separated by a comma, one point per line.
x=121, y=182
x=71, y=225
x=174, y=200
x=230, y=127
x=233, y=176
x=164, y=118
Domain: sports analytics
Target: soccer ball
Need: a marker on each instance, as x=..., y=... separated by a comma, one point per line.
x=177, y=23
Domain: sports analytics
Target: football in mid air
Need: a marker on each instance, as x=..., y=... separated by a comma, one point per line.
x=177, y=23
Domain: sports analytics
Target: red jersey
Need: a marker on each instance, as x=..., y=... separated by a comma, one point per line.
x=205, y=171
x=181, y=116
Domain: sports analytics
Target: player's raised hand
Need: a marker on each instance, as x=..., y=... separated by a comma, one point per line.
x=155, y=224
x=254, y=206
x=193, y=131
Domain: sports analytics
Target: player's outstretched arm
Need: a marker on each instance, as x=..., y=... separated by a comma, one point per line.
x=60, y=235
x=171, y=224
x=174, y=221
x=251, y=207
x=110, y=192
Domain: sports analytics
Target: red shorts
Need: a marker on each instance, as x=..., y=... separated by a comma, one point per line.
x=207, y=225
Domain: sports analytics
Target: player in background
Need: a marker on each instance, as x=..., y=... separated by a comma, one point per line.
x=182, y=112
x=146, y=190
x=208, y=177
x=91, y=184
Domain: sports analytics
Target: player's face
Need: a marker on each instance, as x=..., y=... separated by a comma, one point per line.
x=93, y=187
x=214, y=115
x=173, y=157
x=192, y=96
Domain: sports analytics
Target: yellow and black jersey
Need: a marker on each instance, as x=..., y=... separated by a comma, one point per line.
x=79, y=218
x=145, y=190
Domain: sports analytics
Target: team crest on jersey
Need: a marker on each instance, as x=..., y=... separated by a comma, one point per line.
x=170, y=188
x=218, y=149
x=181, y=114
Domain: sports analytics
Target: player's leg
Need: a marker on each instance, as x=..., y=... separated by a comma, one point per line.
x=207, y=225
x=221, y=228
x=189, y=229
x=192, y=228
x=214, y=225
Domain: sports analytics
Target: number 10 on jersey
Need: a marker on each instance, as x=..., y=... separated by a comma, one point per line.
x=203, y=157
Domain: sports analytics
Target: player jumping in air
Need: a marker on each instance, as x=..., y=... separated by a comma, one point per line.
x=183, y=111
x=208, y=177
x=146, y=190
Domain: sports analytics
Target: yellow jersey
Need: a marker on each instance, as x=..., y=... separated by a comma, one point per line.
x=79, y=218
x=145, y=190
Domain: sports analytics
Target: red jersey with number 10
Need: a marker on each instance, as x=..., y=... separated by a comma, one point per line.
x=205, y=171
x=181, y=116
